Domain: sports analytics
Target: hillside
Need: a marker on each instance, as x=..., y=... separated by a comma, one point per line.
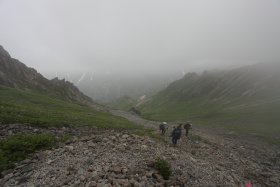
x=15, y=74
x=29, y=107
x=29, y=101
x=244, y=99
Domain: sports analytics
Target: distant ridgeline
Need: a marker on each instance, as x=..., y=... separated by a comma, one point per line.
x=247, y=98
x=15, y=74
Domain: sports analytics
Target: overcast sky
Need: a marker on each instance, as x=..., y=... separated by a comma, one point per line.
x=122, y=36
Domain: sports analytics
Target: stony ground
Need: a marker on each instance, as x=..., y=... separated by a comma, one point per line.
x=114, y=158
x=12, y=129
x=229, y=156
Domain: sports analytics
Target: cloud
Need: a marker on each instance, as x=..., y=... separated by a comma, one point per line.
x=135, y=37
x=81, y=78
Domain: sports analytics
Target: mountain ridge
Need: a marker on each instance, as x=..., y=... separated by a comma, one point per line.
x=16, y=74
x=235, y=83
x=245, y=99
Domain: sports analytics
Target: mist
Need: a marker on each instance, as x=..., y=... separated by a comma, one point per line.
x=131, y=39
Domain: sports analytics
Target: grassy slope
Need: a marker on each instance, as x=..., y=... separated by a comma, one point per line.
x=262, y=119
x=16, y=148
x=244, y=99
x=18, y=106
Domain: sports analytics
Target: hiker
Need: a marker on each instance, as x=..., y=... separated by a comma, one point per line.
x=176, y=134
x=187, y=127
x=163, y=127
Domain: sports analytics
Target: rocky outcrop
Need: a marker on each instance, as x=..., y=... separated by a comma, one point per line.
x=15, y=74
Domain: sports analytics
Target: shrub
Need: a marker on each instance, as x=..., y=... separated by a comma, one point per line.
x=163, y=167
x=17, y=148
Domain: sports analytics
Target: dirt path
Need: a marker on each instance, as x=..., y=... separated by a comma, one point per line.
x=136, y=119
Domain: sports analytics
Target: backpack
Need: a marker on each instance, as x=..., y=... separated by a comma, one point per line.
x=177, y=133
x=187, y=126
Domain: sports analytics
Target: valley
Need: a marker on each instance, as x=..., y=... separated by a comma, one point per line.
x=54, y=135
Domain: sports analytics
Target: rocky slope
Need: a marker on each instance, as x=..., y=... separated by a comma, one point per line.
x=114, y=158
x=15, y=74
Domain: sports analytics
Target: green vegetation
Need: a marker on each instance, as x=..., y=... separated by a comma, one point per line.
x=18, y=106
x=17, y=148
x=29, y=107
x=123, y=103
x=163, y=167
x=251, y=118
x=239, y=100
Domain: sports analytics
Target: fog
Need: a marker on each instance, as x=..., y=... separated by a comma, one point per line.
x=130, y=39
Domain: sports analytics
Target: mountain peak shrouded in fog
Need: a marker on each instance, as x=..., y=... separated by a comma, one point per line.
x=115, y=48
